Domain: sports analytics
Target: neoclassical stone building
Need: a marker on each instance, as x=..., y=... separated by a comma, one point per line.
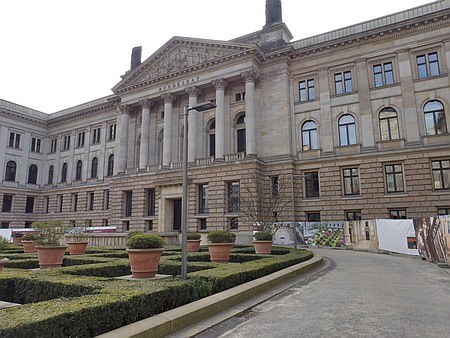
x=355, y=122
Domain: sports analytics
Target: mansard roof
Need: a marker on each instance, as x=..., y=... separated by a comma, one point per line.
x=181, y=55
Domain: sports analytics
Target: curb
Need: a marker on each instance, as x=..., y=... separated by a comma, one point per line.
x=184, y=316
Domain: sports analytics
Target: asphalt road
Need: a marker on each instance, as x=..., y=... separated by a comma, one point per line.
x=361, y=294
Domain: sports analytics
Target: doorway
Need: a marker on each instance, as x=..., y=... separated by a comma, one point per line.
x=177, y=214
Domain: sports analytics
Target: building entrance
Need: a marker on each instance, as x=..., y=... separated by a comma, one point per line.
x=177, y=214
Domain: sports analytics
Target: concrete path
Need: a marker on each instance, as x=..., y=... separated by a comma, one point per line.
x=361, y=294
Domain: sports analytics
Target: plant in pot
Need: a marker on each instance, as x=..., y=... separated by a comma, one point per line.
x=29, y=242
x=263, y=242
x=77, y=240
x=220, y=243
x=17, y=237
x=49, y=248
x=193, y=241
x=144, y=251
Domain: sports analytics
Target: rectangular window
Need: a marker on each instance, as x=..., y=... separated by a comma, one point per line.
x=60, y=203
x=351, y=181
x=202, y=224
x=441, y=174
x=241, y=140
x=397, y=214
x=4, y=225
x=105, y=199
x=427, y=65
x=353, y=216
x=394, y=178
x=275, y=185
x=343, y=82
x=29, y=207
x=90, y=200
x=46, y=204
x=35, y=145
x=151, y=202
x=313, y=216
x=7, y=203
x=112, y=132
x=239, y=97
x=66, y=144
x=307, y=90
x=233, y=196
x=53, y=145
x=80, y=139
x=128, y=199
x=443, y=211
x=14, y=140
x=312, y=184
x=383, y=74
x=96, y=136
x=74, y=202
x=203, y=198
x=149, y=225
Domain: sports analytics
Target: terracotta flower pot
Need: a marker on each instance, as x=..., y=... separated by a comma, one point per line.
x=144, y=262
x=77, y=248
x=3, y=261
x=50, y=256
x=193, y=245
x=17, y=240
x=29, y=246
x=263, y=247
x=220, y=252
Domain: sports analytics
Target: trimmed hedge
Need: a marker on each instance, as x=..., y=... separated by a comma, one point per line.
x=83, y=301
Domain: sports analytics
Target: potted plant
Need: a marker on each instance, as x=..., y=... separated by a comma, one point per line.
x=220, y=243
x=29, y=242
x=17, y=237
x=49, y=248
x=144, y=251
x=77, y=241
x=263, y=242
x=193, y=241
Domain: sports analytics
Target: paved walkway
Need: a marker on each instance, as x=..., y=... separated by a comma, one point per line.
x=362, y=294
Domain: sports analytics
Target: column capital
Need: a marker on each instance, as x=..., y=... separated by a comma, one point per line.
x=250, y=75
x=168, y=98
x=124, y=109
x=193, y=91
x=146, y=103
x=220, y=84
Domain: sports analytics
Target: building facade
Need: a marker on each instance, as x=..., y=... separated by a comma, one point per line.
x=354, y=122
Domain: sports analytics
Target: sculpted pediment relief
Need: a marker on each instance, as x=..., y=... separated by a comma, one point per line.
x=179, y=55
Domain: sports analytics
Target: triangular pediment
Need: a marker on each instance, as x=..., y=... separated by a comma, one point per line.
x=178, y=55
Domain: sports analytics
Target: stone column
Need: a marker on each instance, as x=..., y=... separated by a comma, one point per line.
x=167, y=148
x=326, y=127
x=70, y=166
x=145, y=132
x=4, y=132
x=220, y=86
x=410, y=112
x=124, y=112
x=193, y=92
x=250, y=78
x=23, y=161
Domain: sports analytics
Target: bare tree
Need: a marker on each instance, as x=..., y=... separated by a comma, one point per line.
x=264, y=201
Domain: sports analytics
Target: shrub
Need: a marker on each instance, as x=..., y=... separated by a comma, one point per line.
x=30, y=237
x=220, y=236
x=145, y=241
x=133, y=233
x=50, y=232
x=17, y=235
x=193, y=236
x=4, y=244
x=263, y=236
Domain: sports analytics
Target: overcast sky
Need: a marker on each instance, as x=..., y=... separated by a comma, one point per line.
x=55, y=54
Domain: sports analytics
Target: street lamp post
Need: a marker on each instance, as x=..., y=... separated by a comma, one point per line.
x=184, y=206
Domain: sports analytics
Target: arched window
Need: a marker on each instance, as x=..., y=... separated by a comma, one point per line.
x=10, y=173
x=240, y=134
x=347, y=130
x=32, y=174
x=212, y=138
x=78, y=170
x=309, y=135
x=50, y=174
x=389, y=124
x=94, y=167
x=160, y=146
x=434, y=114
x=110, y=165
x=64, y=173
